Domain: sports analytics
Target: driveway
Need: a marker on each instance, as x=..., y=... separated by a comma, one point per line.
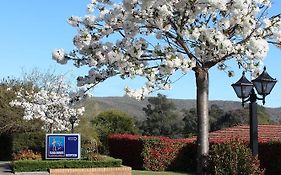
x=5, y=169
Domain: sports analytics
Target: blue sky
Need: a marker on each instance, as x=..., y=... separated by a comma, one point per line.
x=31, y=29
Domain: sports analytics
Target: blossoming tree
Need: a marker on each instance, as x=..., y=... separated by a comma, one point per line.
x=154, y=39
x=51, y=104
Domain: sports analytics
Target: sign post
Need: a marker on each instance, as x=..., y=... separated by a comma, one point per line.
x=63, y=146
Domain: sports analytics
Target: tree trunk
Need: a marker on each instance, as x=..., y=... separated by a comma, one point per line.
x=202, y=83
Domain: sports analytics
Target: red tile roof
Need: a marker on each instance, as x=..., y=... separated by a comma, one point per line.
x=266, y=133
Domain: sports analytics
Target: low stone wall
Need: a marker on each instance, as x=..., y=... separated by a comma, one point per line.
x=92, y=171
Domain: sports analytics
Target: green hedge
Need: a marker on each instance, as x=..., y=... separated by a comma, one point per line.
x=45, y=165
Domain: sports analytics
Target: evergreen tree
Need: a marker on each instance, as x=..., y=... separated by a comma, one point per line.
x=162, y=118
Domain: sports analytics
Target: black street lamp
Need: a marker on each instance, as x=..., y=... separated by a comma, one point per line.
x=244, y=89
x=72, y=120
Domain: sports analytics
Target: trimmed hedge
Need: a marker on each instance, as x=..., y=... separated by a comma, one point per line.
x=127, y=147
x=162, y=153
x=153, y=153
x=45, y=165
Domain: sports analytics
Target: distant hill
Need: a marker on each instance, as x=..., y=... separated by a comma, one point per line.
x=133, y=107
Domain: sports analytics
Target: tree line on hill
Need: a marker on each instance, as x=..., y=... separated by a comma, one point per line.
x=163, y=118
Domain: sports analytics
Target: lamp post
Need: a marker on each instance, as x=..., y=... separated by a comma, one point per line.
x=72, y=120
x=244, y=89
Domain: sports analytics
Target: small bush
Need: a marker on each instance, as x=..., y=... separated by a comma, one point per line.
x=27, y=154
x=110, y=122
x=89, y=138
x=45, y=165
x=233, y=158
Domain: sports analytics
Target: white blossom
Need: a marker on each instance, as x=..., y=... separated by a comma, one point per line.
x=51, y=104
x=59, y=56
x=74, y=21
x=154, y=39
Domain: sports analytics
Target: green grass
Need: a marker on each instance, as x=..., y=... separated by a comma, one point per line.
x=136, y=172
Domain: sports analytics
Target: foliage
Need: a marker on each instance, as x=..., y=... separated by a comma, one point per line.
x=153, y=153
x=10, y=117
x=13, y=144
x=190, y=122
x=150, y=152
x=162, y=118
x=39, y=78
x=136, y=172
x=221, y=118
x=45, y=165
x=27, y=154
x=51, y=104
x=29, y=140
x=89, y=138
x=270, y=157
x=233, y=158
x=231, y=118
x=160, y=153
x=110, y=122
x=131, y=150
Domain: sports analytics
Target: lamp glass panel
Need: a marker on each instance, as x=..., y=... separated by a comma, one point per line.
x=265, y=87
x=242, y=91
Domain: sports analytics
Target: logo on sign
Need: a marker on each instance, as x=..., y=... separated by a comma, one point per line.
x=56, y=146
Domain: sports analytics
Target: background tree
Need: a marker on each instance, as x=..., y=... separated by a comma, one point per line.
x=190, y=122
x=239, y=116
x=110, y=122
x=89, y=138
x=41, y=79
x=51, y=104
x=11, y=120
x=162, y=118
x=156, y=38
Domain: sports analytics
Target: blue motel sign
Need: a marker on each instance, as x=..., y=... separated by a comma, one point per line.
x=63, y=146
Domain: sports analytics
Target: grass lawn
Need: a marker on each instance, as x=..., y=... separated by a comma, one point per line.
x=135, y=172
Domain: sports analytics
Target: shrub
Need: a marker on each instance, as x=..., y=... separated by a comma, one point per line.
x=29, y=140
x=149, y=152
x=27, y=154
x=110, y=122
x=159, y=153
x=270, y=157
x=89, y=139
x=45, y=165
x=233, y=158
x=13, y=144
x=128, y=148
x=152, y=153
